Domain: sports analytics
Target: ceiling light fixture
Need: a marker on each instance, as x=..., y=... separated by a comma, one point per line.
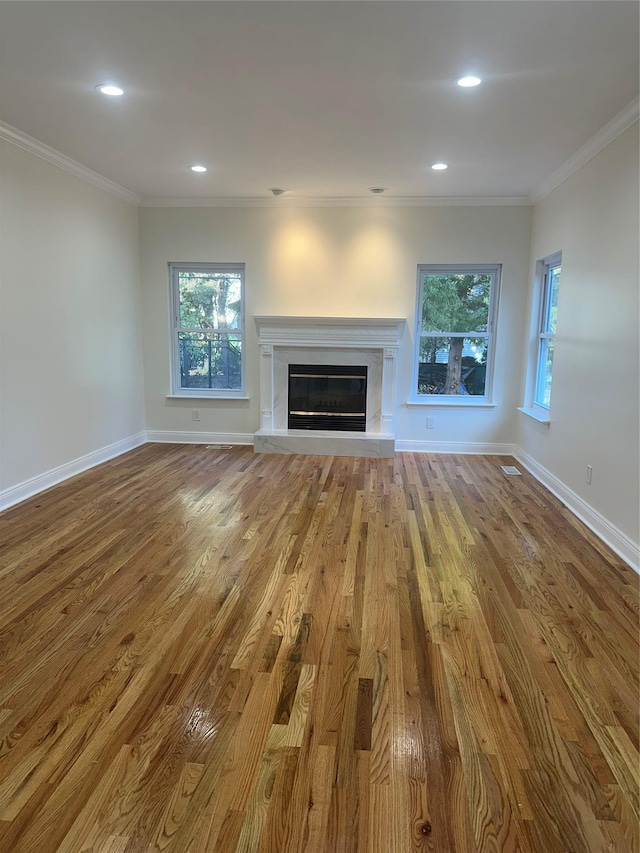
x=198, y=168
x=377, y=190
x=469, y=81
x=439, y=167
x=109, y=89
x=276, y=191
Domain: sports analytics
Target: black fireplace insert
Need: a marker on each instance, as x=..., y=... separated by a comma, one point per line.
x=327, y=396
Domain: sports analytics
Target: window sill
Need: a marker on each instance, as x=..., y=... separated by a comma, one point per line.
x=453, y=404
x=206, y=397
x=536, y=416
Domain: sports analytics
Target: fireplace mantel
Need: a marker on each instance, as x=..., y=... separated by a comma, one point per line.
x=349, y=332
x=330, y=340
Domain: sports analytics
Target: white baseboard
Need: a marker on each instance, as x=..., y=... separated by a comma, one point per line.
x=28, y=488
x=624, y=547
x=456, y=447
x=188, y=437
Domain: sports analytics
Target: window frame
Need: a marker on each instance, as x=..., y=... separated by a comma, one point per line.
x=542, y=297
x=174, y=308
x=455, y=400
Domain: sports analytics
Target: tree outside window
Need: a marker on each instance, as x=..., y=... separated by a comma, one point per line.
x=208, y=329
x=454, y=334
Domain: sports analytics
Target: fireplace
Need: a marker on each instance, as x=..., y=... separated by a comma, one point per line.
x=335, y=348
x=327, y=397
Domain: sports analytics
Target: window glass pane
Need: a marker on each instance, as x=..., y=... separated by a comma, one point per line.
x=545, y=369
x=210, y=299
x=452, y=366
x=210, y=361
x=455, y=302
x=552, y=300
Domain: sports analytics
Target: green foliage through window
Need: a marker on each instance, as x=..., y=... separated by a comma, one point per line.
x=209, y=300
x=208, y=327
x=454, y=331
x=455, y=303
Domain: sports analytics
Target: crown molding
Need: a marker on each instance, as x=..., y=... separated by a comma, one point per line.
x=377, y=201
x=603, y=137
x=56, y=158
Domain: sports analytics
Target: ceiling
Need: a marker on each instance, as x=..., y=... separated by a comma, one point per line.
x=325, y=99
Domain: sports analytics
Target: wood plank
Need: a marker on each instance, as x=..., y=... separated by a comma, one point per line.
x=364, y=713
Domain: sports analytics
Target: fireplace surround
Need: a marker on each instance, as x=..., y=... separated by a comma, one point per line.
x=345, y=342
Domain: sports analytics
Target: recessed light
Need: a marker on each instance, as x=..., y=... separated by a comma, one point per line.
x=377, y=190
x=276, y=191
x=469, y=81
x=439, y=167
x=110, y=90
x=198, y=168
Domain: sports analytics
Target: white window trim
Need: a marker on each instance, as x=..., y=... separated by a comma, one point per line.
x=458, y=400
x=175, y=328
x=532, y=408
x=542, y=417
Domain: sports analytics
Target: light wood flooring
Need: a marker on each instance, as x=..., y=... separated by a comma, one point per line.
x=209, y=650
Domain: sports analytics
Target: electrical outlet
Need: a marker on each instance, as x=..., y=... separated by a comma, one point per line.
x=589, y=473
x=431, y=423
x=195, y=414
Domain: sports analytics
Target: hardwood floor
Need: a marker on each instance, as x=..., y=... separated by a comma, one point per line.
x=211, y=650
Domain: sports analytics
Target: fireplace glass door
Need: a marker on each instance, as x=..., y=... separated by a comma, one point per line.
x=327, y=397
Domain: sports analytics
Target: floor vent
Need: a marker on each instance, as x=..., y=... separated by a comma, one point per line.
x=511, y=470
x=219, y=446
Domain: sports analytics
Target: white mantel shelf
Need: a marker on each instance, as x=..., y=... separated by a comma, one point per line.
x=373, y=341
x=329, y=331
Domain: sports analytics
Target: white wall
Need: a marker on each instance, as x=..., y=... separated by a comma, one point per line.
x=593, y=218
x=70, y=356
x=335, y=262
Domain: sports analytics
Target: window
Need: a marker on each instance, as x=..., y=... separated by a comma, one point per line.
x=549, y=271
x=454, y=338
x=207, y=304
